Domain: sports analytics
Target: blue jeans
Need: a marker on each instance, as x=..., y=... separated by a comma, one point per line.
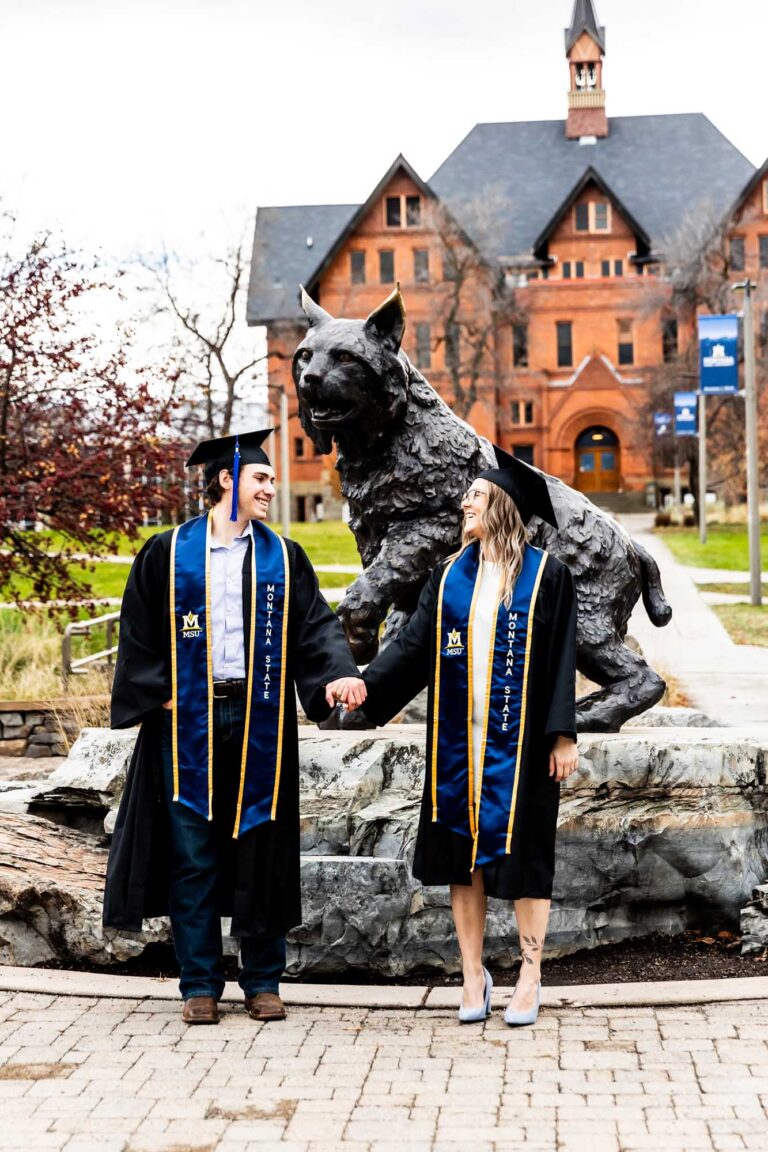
x=202, y=852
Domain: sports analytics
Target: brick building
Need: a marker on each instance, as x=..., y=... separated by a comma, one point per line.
x=532, y=268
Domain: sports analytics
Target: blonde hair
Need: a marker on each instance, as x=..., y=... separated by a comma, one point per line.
x=505, y=537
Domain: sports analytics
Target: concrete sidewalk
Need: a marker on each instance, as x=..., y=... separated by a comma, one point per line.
x=727, y=681
x=97, y=1074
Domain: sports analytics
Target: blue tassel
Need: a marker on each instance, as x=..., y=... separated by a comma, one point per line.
x=235, y=479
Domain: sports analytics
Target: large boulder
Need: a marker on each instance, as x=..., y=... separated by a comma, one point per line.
x=660, y=830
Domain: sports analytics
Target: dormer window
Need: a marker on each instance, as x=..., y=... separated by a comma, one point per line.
x=765, y=196
x=402, y=211
x=594, y=216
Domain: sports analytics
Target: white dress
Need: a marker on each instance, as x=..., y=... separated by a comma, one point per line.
x=485, y=613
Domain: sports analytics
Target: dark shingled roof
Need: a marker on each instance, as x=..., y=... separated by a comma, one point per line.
x=282, y=258
x=661, y=167
x=584, y=19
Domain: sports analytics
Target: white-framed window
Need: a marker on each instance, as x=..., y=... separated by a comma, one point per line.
x=402, y=211
x=765, y=196
x=522, y=411
x=594, y=216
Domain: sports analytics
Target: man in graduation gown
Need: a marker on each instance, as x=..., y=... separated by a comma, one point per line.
x=221, y=617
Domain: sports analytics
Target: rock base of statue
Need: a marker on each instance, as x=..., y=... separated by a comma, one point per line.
x=661, y=830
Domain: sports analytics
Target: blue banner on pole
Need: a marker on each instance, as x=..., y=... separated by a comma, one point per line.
x=686, y=422
x=662, y=423
x=718, y=354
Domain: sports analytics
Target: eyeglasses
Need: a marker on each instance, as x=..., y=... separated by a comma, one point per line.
x=472, y=495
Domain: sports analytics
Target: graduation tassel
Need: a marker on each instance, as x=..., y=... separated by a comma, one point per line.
x=235, y=479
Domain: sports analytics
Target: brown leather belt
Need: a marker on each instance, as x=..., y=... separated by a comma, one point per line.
x=229, y=689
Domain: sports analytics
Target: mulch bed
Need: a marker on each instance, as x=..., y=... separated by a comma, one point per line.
x=691, y=956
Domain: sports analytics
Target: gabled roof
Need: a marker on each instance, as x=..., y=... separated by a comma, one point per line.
x=283, y=256
x=589, y=176
x=758, y=176
x=659, y=167
x=584, y=19
x=398, y=165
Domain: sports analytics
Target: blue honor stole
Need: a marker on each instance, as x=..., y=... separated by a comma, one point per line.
x=479, y=800
x=192, y=673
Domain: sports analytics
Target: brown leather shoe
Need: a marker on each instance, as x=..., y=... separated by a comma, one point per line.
x=200, y=1010
x=265, y=1006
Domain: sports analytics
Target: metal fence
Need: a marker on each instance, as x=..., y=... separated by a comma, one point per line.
x=81, y=665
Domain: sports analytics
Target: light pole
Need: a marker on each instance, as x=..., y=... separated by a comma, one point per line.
x=750, y=415
x=285, y=482
x=702, y=467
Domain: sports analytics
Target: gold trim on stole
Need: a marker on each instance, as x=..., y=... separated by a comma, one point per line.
x=248, y=690
x=209, y=658
x=524, y=701
x=436, y=702
x=284, y=679
x=487, y=706
x=174, y=672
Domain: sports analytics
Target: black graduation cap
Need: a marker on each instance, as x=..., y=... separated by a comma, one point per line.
x=230, y=452
x=524, y=484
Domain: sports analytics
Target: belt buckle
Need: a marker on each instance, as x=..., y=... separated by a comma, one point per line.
x=219, y=696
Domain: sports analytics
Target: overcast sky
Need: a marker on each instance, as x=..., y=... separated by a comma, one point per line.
x=131, y=123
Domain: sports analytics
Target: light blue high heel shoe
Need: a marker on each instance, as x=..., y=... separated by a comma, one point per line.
x=473, y=1015
x=516, y=1019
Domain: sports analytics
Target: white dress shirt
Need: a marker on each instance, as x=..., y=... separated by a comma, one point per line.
x=227, y=639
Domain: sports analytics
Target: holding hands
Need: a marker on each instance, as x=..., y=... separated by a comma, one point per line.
x=563, y=759
x=347, y=690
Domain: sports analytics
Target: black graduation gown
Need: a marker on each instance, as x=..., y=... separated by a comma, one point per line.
x=262, y=894
x=406, y=666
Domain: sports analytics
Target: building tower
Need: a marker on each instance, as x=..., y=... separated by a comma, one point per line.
x=584, y=49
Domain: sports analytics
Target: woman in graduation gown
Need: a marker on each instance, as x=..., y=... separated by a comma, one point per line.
x=493, y=638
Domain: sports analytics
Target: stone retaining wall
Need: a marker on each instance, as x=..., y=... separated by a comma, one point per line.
x=39, y=728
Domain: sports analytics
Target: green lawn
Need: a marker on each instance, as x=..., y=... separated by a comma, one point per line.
x=726, y=547
x=330, y=542
x=732, y=589
x=745, y=624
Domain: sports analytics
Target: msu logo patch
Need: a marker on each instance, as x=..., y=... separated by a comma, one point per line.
x=453, y=644
x=190, y=624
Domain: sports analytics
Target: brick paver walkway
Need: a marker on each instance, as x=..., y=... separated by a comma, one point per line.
x=100, y=1075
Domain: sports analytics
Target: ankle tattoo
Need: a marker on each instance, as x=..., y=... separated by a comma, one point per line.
x=529, y=946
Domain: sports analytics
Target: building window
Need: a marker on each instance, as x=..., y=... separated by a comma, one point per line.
x=298, y=447
x=386, y=267
x=522, y=411
x=450, y=267
x=763, y=248
x=669, y=338
x=765, y=196
x=605, y=268
x=316, y=451
x=393, y=212
x=581, y=218
x=618, y=267
x=421, y=265
x=523, y=452
x=564, y=344
x=567, y=270
x=452, y=346
x=601, y=221
x=413, y=211
x=520, y=345
x=579, y=269
x=626, y=342
x=763, y=336
x=737, y=253
x=638, y=269
x=357, y=267
x=423, y=346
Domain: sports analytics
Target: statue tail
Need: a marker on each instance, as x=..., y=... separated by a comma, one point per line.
x=654, y=599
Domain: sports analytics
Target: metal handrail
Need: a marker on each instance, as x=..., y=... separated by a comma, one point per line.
x=79, y=667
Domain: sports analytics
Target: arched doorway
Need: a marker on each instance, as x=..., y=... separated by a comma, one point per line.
x=598, y=463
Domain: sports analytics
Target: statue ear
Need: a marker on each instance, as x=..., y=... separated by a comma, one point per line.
x=314, y=313
x=387, y=322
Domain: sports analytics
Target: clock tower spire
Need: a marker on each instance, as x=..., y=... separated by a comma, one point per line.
x=584, y=49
